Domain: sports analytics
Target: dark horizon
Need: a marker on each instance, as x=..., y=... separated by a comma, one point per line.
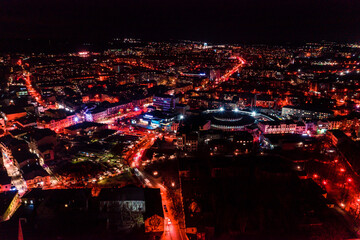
x=209, y=21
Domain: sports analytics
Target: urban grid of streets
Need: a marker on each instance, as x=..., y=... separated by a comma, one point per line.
x=174, y=229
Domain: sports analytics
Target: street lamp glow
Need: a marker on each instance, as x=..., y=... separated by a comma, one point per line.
x=222, y=109
x=181, y=116
x=236, y=110
x=253, y=113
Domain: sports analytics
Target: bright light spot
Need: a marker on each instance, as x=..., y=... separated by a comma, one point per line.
x=181, y=116
x=342, y=169
x=349, y=180
x=342, y=205
x=298, y=167
x=136, y=109
x=324, y=182
x=76, y=119
x=253, y=114
x=236, y=110
x=222, y=109
x=155, y=173
x=315, y=176
x=173, y=184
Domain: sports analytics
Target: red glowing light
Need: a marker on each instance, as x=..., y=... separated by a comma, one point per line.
x=349, y=180
x=342, y=170
x=315, y=176
x=324, y=182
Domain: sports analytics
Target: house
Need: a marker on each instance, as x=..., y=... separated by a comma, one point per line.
x=188, y=141
x=42, y=142
x=35, y=176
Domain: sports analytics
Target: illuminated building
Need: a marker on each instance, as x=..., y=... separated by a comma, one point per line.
x=157, y=119
x=188, y=141
x=164, y=102
x=230, y=120
x=305, y=112
x=58, y=124
x=101, y=112
x=280, y=127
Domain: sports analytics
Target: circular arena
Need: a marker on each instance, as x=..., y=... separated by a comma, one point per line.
x=229, y=120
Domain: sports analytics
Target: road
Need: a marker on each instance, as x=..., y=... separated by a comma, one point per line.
x=31, y=90
x=173, y=229
x=228, y=74
x=335, y=174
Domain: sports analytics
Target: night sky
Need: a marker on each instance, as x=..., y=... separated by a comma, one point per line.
x=213, y=21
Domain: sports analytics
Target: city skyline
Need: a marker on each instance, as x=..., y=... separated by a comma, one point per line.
x=179, y=120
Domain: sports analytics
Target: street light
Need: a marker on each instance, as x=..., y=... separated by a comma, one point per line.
x=173, y=184
x=222, y=109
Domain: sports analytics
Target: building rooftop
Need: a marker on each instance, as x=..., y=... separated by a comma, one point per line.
x=84, y=125
x=313, y=108
x=12, y=109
